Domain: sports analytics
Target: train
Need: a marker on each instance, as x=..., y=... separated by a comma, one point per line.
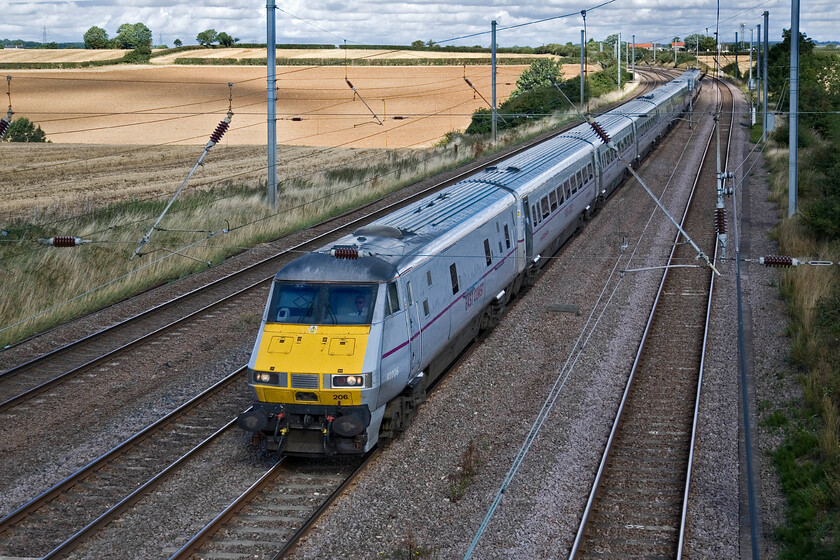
x=354, y=334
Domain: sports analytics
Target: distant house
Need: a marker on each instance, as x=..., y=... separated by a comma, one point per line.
x=680, y=45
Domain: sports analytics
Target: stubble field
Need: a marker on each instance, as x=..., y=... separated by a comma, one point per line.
x=122, y=132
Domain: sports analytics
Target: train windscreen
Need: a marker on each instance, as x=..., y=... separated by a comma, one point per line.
x=314, y=303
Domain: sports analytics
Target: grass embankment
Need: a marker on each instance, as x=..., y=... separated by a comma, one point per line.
x=808, y=461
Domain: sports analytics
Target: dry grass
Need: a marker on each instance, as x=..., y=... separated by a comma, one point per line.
x=806, y=289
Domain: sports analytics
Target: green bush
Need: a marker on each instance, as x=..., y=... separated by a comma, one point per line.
x=24, y=130
x=542, y=101
x=140, y=55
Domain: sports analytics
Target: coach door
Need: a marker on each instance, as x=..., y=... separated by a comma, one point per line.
x=529, y=228
x=414, y=332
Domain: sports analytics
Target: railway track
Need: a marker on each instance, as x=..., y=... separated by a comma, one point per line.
x=108, y=485
x=638, y=502
x=244, y=288
x=66, y=516
x=268, y=519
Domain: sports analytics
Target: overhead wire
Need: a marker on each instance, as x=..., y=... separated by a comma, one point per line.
x=564, y=373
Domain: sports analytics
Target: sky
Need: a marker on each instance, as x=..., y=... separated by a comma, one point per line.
x=398, y=22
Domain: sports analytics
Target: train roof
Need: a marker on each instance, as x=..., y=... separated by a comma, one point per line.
x=402, y=239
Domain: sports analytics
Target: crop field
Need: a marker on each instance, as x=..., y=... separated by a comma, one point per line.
x=392, y=107
x=132, y=132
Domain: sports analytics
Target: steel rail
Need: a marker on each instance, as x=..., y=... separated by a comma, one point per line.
x=70, y=544
x=195, y=543
x=694, y=426
x=56, y=490
x=616, y=422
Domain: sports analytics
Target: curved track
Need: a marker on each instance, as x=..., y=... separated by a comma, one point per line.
x=638, y=502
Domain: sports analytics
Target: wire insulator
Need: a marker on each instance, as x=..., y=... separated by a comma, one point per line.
x=63, y=241
x=599, y=131
x=780, y=261
x=4, y=126
x=345, y=252
x=720, y=220
x=219, y=132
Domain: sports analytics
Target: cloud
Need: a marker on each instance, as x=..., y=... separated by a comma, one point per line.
x=377, y=21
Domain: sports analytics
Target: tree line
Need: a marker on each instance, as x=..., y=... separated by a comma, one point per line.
x=137, y=35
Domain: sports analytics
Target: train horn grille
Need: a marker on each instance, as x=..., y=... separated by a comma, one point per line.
x=304, y=381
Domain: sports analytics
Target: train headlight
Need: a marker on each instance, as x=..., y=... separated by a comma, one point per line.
x=269, y=378
x=357, y=381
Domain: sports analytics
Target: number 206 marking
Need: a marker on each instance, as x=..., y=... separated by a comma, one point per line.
x=341, y=397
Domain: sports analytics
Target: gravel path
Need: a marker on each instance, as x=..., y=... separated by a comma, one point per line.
x=492, y=399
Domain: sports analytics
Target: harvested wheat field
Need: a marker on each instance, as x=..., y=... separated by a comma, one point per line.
x=348, y=54
x=126, y=132
x=315, y=106
x=67, y=179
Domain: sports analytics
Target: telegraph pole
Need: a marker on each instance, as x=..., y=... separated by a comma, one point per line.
x=582, y=46
x=758, y=69
x=493, y=77
x=271, y=102
x=750, y=83
x=764, y=75
x=618, y=60
x=793, y=139
x=633, y=71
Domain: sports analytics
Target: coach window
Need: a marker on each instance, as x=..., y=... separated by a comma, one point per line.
x=545, y=211
x=429, y=277
x=426, y=307
x=393, y=303
x=453, y=275
x=568, y=188
x=574, y=184
x=591, y=174
x=488, y=257
x=552, y=198
x=580, y=178
x=560, y=195
x=507, y=236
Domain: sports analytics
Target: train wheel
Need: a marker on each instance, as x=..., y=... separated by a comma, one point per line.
x=391, y=422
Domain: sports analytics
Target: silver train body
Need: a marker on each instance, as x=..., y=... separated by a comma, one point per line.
x=353, y=334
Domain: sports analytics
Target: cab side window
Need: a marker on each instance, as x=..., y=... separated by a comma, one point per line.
x=453, y=275
x=393, y=302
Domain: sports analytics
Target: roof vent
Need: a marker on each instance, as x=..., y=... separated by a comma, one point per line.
x=513, y=169
x=379, y=229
